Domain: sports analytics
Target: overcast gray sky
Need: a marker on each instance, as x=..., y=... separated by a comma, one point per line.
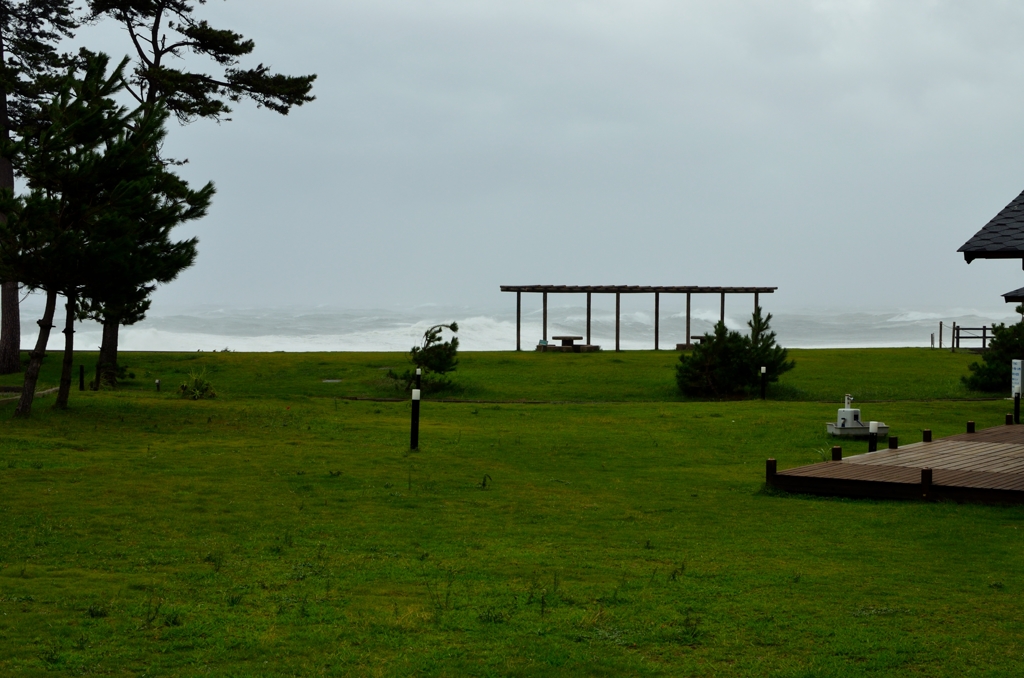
x=842, y=151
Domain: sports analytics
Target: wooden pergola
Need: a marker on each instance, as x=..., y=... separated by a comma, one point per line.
x=618, y=291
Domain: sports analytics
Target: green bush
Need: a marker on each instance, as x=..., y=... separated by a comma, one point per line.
x=727, y=364
x=196, y=386
x=436, y=358
x=993, y=372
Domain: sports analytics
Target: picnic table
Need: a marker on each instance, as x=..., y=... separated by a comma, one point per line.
x=567, y=340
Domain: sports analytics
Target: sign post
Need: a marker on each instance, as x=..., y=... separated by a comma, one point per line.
x=1015, y=382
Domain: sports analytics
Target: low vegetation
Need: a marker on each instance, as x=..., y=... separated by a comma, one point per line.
x=616, y=529
x=992, y=373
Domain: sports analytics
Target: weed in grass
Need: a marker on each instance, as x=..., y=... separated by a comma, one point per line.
x=997, y=585
x=334, y=474
x=483, y=483
x=235, y=599
x=97, y=611
x=215, y=558
x=688, y=630
x=441, y=600
x=648, y=545
x=52, y=655
x=677, y=572
x=492, y=616
x=151, y=611
x=173, y=618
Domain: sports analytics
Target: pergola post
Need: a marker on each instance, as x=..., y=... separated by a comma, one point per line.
x=687, y=342
x=618, y=306
x=588, y=318
x=756, y=304
x=723, y=308
x=545, y=316
x=657, y=309
x=519, y=321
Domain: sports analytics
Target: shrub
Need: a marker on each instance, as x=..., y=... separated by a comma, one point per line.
x=436, y=358
x=993, y=372
x=197, y=386
x=726, y=363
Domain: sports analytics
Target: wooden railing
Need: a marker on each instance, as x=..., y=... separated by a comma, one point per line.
x=960, y=333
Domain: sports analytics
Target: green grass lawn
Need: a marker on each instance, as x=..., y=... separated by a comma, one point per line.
x=281, y=529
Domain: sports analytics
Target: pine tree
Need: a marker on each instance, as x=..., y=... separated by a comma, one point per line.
x=993, y=373
x=763, y=350
x=163, y=33
x=719, y=365
x=30, y=67
x=99, y=210
x=726, y=363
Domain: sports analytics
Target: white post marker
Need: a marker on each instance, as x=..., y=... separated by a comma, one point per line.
x=1015, y=373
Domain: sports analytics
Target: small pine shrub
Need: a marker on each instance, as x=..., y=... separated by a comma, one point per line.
x=992, y=374
x=727, y=364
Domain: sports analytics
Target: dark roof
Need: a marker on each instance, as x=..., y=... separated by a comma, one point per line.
x=1001, y=238
x=635, y=289
x=1016, y=295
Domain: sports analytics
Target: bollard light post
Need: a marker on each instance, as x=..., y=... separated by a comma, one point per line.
x=81, y=377
x=414, y=437
x=873, y=436
x=419, y=376
x=764, y=380
x=157, y=385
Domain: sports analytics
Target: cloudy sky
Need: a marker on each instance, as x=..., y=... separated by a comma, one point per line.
x=841, y=151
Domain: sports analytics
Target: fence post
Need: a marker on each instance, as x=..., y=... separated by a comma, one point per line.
x=940, y=334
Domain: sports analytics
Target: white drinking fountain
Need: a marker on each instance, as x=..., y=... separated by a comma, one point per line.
x=848, y=422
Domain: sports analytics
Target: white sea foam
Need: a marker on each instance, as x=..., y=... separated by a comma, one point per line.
x=211, y=329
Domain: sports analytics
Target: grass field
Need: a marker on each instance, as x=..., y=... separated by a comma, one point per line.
x=604, y=528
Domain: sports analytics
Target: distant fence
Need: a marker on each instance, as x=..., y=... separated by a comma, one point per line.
x=960, y=333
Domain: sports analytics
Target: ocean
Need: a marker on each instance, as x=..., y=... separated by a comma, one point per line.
x=210, y=328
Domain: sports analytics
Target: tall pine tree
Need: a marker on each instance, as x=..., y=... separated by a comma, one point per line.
x=162, y=34
x=30, y=67
x=96, y=222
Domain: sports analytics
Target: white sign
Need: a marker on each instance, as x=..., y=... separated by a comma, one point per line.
x=1015, y=383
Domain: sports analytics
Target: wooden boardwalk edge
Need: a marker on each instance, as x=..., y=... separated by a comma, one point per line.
x=983, y=467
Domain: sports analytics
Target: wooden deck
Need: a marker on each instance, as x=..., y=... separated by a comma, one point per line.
x=987, y=466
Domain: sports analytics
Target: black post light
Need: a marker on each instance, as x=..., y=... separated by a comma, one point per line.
x=414, y=437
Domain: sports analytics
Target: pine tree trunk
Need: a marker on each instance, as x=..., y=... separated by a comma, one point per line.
x=106, y=367
x=35, y=362
x=10, y=328
x=64, y=392
x=10, y=315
